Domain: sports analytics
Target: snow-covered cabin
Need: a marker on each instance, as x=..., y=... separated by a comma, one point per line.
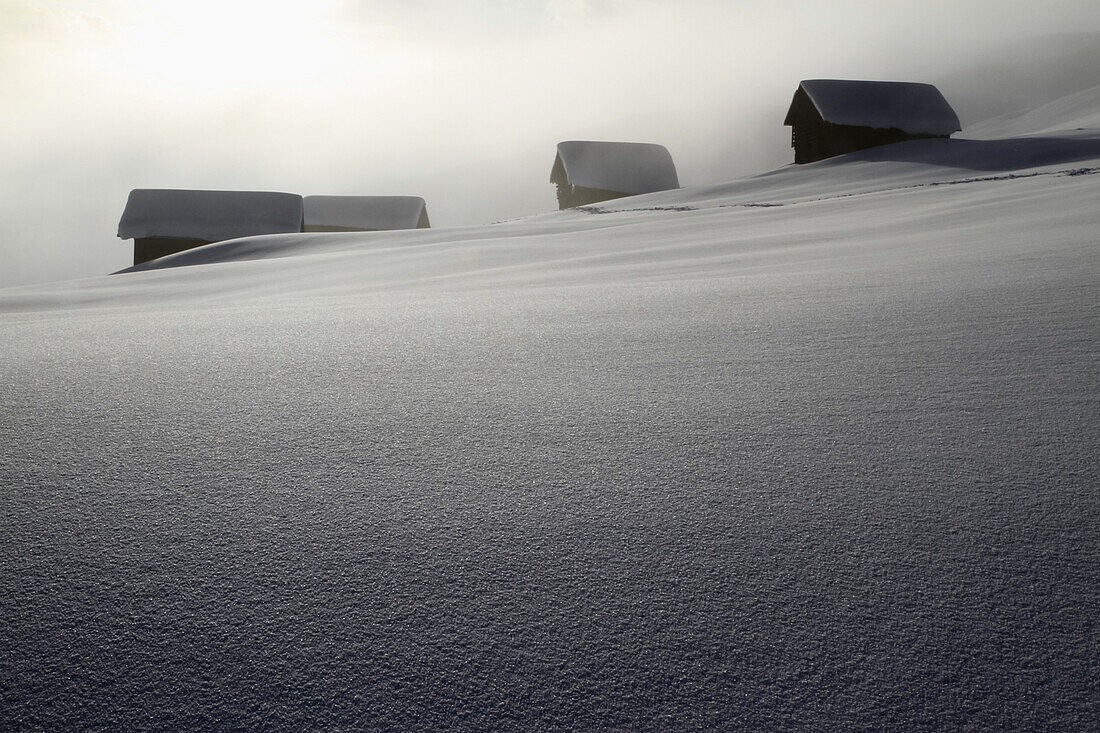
x=364, y=213
x=586, y=171
x=835, y=116
x=162, y=221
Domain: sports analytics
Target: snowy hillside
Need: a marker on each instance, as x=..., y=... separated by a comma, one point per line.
x=1076, y=112
x=811, y=450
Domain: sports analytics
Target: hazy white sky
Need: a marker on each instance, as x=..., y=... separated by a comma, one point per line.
x=459, y=102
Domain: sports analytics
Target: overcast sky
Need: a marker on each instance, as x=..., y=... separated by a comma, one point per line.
x=458, y=102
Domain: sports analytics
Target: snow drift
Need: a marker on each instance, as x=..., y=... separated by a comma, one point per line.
x=809, y=450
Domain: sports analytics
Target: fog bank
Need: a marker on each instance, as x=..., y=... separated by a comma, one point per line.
x=460, y=106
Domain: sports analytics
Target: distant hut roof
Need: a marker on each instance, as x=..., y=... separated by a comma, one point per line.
x=918, y=109
x=208, y=215
x=359, y=213
x=631, y=168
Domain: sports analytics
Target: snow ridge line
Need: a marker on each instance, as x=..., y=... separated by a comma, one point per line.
x=1068, y=172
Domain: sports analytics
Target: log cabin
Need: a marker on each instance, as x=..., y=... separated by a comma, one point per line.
x=587, y=171
x=163, y=221
x=830, y=117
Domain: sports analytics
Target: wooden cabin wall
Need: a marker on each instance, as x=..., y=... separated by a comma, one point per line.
x=814, y=140
x=565, y=196
x=810, y=141
x=582, y=196
x=150, y=248
x=572, y=196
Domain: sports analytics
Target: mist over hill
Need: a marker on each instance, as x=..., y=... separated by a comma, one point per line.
x=716, y=103
x=1022, y=75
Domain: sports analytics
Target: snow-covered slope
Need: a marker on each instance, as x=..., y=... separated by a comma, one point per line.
x=813, y=450
x=1079, y=111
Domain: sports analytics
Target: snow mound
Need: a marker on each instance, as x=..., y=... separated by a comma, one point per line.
x=209, y=215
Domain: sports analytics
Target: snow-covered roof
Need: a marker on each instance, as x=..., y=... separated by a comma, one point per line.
x=908, y=106
x=364, y=213
x=208, y=215
x=624, y=167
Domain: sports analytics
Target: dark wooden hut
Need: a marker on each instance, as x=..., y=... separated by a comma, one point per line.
x=586, y=171
x=162, y=221
x=364, y=213
x=835, y=116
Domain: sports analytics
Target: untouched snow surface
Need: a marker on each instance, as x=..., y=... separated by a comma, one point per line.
x=814, y=450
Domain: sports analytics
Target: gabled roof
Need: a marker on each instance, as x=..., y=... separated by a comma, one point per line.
x=208, y=215
x=364, y=213
x=915, y=108
x=624, y=167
